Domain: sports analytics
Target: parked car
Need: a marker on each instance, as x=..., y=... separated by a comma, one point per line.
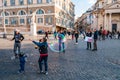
x=40, y=32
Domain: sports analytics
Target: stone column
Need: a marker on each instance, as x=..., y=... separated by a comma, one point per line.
x=105, y=21
x=110, y=22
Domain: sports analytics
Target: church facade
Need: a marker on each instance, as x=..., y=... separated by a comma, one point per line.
x=105, y=14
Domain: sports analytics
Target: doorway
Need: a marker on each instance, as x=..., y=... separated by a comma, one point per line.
x=114, y=27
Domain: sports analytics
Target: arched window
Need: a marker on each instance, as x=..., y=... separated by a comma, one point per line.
x=40, y=11
x=6, y=14
x=22, y=12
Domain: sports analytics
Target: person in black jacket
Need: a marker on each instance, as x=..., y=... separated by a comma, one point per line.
x=17, y=45
x=89, y=34
x=76, y=36
x=95, y=37
x=43, y=49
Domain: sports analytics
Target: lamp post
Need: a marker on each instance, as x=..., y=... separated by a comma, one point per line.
x=4, y=27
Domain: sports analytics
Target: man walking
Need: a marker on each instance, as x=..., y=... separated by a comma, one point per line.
x=17, y=45
x=76, y=37
x=95, y=37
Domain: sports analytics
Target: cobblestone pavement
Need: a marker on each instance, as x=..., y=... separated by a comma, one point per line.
x=76, y=63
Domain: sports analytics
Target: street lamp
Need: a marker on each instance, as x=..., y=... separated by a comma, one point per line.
x=4, y=34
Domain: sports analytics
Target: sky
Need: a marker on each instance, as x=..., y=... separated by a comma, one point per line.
x=82, y=6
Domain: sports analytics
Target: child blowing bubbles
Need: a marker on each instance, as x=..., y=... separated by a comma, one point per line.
x=43, y=49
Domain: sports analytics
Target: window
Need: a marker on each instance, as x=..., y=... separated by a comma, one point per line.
x=6, y=21
x=22, y=21
x=39, y=1
x=5, y=3
x=30, y=11
x=13, y=21
x=58, y=21
x=30, y=1
x=13, y=13
x=40, y=20
x=21, y=2
x=6, y=14
x=62, y=22
x=40, y=11
x=12, y=2
x=28, y=20
x=49, y=20
x=114, y=1
x=48, y=1
x=21, y=13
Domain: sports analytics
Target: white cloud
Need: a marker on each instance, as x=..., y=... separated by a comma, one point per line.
x=91, y=1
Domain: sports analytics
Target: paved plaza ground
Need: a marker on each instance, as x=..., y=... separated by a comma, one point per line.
x=76, y=63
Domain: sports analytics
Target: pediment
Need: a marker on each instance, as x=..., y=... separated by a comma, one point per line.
x=113, y=6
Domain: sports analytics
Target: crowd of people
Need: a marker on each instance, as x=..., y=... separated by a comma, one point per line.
x=106, y=34
x=89, y=35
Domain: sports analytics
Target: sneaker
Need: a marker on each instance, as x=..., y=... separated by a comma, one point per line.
x=18, y=72
x=41, y=72
x=22, y=72
x=94, y=49
x=63, y=51
x=46, y=73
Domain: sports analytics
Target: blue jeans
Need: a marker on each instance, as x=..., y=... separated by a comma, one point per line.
x=17, y=47
x=61, y=46
x=22, y=66
x=88, y=45
x=76, y=39
x=40, y=61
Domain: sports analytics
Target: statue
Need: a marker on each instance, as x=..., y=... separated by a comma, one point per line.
x=33, y=25
x=33, y=18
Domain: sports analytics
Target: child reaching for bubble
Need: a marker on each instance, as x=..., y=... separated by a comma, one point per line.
x=22, y=59
x=43, y=49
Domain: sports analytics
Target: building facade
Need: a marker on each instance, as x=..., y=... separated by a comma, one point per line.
x=50, y=15
x=105, y=14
